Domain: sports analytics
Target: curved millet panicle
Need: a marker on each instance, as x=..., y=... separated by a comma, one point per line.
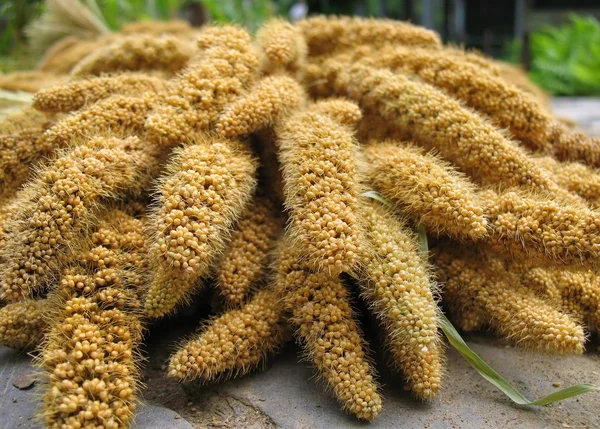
x=434, y=120
x=319, y=157
x=61, y=203
x=244, y=261
x=17, y=154
x=575, y=290
x=65, y=54
x=79, y=93
x=10, y=208
x=474, y=58
x=539, y=227
x=325, y=35
x=517, y=75
x=225, y=68
x=135, y=53
x=428, y=189
x=478, y=285
x=29, y=80
x=235, y=342
x=329, y=335
x=505, y=104
x=90, y=353
x=120, y=115
x=572, y=145
x=24, y=119
x=22, y=324
x=173, y=26
x=204, y=191
x=281, y=48
x=574, y=177
x=339, y=109
x=272, y=99
x=405, y=304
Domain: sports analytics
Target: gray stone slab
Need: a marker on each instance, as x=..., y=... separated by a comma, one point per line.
x=18, y=408
x=157, y=417
x=288, y=393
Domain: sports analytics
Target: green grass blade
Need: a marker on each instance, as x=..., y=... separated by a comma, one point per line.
x=377, y=197
x=500, y=382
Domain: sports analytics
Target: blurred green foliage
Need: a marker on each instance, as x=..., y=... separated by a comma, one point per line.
x=119, y=12
x=14, y=15
x=249, y=13
x=565, y=60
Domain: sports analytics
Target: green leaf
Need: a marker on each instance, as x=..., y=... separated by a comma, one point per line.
x=500, y=382
x=377, y=197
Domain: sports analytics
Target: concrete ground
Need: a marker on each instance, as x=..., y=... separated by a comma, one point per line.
x=286, y=393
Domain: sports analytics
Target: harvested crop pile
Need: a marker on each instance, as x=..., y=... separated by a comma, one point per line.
x=166, y=161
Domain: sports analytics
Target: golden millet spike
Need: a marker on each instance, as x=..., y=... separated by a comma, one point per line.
x=506, y=105
x=329, y=335
x=541, y=227
x=394, y=279
x=326, y=35
x=206, y=187
x=17, y=154
x=272, y=99
x=244, y=261
x=135, y=53
x=22, y=324
x=61, y=203
x=474, y=58
x=225, y=68
x=518, y=76
x=478, y=284
x=79, y=93
x=173, y=26
x=321, y=183
x=281, y=48
x=575, y=177
x=65, y=54
x=24, y=119
x=428, y=189
x=575, y=290
x=235, y=342
x=95, y=328
x=432, y=119
x=9, y=208
x=572, y=145
x=120, y=115
x=29, y=80
x=340, y=109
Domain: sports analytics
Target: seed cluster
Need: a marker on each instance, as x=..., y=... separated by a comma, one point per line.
x=205, y=189
x=163, y=158
x=487, y=293
x=322, y=185
x=234, y=343
x=425, y=186
x=397, y=282
x=244, y=263
x=330, y=336
x=95, y=329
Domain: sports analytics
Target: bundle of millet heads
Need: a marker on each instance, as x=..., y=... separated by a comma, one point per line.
x=173, y=159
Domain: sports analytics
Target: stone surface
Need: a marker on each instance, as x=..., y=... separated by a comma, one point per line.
x=289, y=394
x=157, y=417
